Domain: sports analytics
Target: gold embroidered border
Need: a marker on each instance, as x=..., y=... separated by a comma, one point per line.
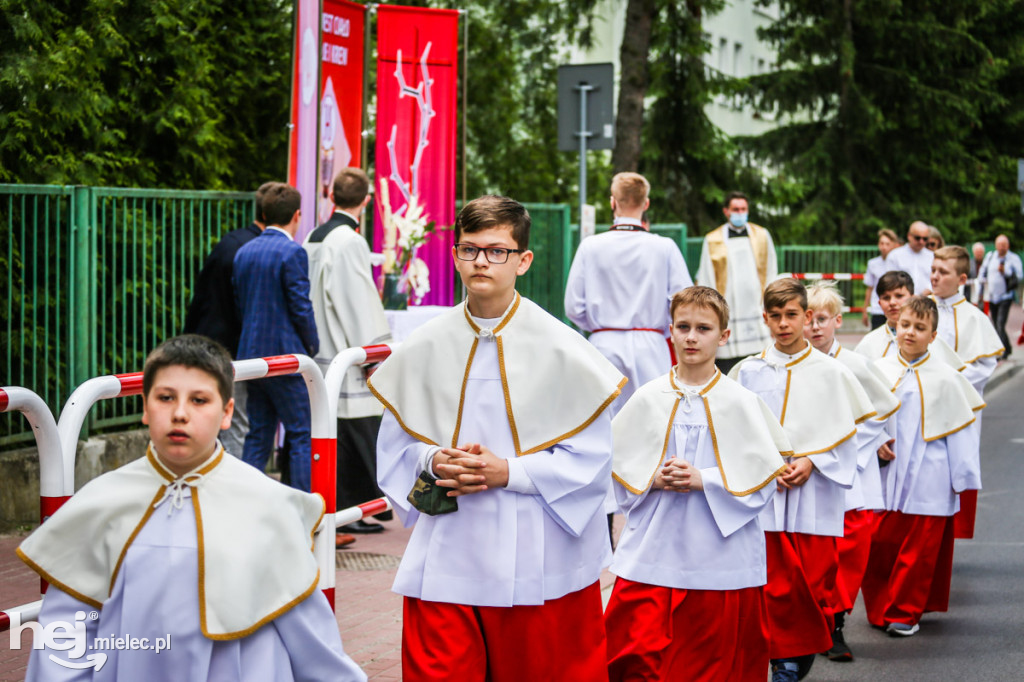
x=58, y=584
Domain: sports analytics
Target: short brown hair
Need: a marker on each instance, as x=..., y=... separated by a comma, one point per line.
x=630, y=190
x=734, y=195
x=824, y=295
x=890, y=235
x=196, y=352
x=782, y=291
x=492, y=210
x=258, y=201
x=958, y=254
x=351, y=185
x=280, y=202
x=702, y=297
x=923, y=307
x=893, y=280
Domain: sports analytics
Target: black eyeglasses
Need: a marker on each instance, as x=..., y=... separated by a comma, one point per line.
x=494, y=254
x=918, y=238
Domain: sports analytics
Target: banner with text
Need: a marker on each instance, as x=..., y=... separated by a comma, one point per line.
x=302, y=147
x=342, y=34
x=417, y=73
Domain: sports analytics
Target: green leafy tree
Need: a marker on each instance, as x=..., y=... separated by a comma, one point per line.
x=886, y=109
x=168, y=93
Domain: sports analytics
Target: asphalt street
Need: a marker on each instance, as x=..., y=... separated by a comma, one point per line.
x=981, y=637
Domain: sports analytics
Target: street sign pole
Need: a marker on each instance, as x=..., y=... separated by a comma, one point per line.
x=584, y=134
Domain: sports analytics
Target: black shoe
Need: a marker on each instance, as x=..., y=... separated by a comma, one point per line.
x=839, y=651
x=362, y=527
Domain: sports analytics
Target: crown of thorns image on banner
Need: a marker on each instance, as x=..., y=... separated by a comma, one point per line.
x=404, y=233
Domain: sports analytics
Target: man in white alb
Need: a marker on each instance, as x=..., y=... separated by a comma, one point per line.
x=738, y=260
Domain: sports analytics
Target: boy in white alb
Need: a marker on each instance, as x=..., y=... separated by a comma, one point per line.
x=505, y=408
x=694, y=458
x=971, y=334
x=802, y=524
x=189, y=546
x=620, y=285
x=936, y=458
x=865, y=496
x=894, y=289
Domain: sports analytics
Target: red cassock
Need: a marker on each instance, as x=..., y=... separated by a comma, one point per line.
x=964, y=519
x=505, y=643
x=801, y=580
x=854, y=548
x=663, y=633
x=909, y=569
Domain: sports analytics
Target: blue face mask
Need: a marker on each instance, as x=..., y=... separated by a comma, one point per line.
x=738, y=219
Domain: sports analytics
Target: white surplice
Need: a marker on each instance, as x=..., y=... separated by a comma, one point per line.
x=819, y=403
x=971, y=335
x=622, y=281
x=705, y=540
x=881, y=343
x=541, y=537
x=743, y=293
x=936, y=448
x=156, y=595
x=866, y=492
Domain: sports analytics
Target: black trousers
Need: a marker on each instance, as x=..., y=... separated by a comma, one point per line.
x=357, y=463
x=999, y=313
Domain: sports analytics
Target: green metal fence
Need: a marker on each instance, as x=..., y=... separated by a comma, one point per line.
x=95, y=278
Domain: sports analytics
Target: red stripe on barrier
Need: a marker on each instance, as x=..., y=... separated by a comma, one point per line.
x=131, y=384
x=329, y=593
x=4, y=400
x=48, y=506
x=324, y=469
x=5, y=622
x=373, y=507
x=281, y=364
x=377, y=352
x=828, y=275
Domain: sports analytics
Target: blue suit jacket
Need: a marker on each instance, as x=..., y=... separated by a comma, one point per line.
x=271, y=279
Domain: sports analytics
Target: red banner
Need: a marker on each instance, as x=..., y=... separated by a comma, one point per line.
x=417, y=74
x=342, y=34
x=302, y=145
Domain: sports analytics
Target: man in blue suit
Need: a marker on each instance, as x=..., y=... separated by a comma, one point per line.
x=271, y=279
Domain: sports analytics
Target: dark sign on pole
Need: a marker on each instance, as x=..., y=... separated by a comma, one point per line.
x=599, y=83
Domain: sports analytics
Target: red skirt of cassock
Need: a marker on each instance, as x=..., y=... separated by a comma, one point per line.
x=661, y=633
x=965, y=518
x=562, y=639
x=801, y=580
x=854, y=548
x=909, y=569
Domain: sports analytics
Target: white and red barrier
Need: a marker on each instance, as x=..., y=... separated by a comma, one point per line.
x=836, y=276
x=53, y=491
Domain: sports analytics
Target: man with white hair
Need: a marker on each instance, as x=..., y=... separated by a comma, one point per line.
x=974, y=289
x=1001, y=272
x=913, y=258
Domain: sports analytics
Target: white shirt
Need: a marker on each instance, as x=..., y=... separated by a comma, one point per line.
x=917, y=264
x=997, y=280
x=877, y=267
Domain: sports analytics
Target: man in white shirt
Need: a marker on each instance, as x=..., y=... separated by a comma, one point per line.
x=1000, y=267
x=738, y=260
x=914, y=258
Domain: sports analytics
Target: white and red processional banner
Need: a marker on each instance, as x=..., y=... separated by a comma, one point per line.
x=417, y=74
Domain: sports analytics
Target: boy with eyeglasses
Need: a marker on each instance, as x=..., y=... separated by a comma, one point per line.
x=496, y=444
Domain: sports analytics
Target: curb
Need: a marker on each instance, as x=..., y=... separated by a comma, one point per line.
x=1004, y=372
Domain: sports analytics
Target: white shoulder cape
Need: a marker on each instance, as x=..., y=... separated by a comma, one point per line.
x=872, y=381
x=555, y=382
x=822, y=407
x=944, y=408
x=748, y=450
x=255, y=539
x=975, y=338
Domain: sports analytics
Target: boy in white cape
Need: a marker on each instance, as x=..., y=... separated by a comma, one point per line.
x=695, y=456
x=936, y=459
x=496, y=443
x=188, y=546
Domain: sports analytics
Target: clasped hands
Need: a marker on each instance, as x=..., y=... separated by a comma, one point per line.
x=796, y=474
x=678, y=476
x=469, y=469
